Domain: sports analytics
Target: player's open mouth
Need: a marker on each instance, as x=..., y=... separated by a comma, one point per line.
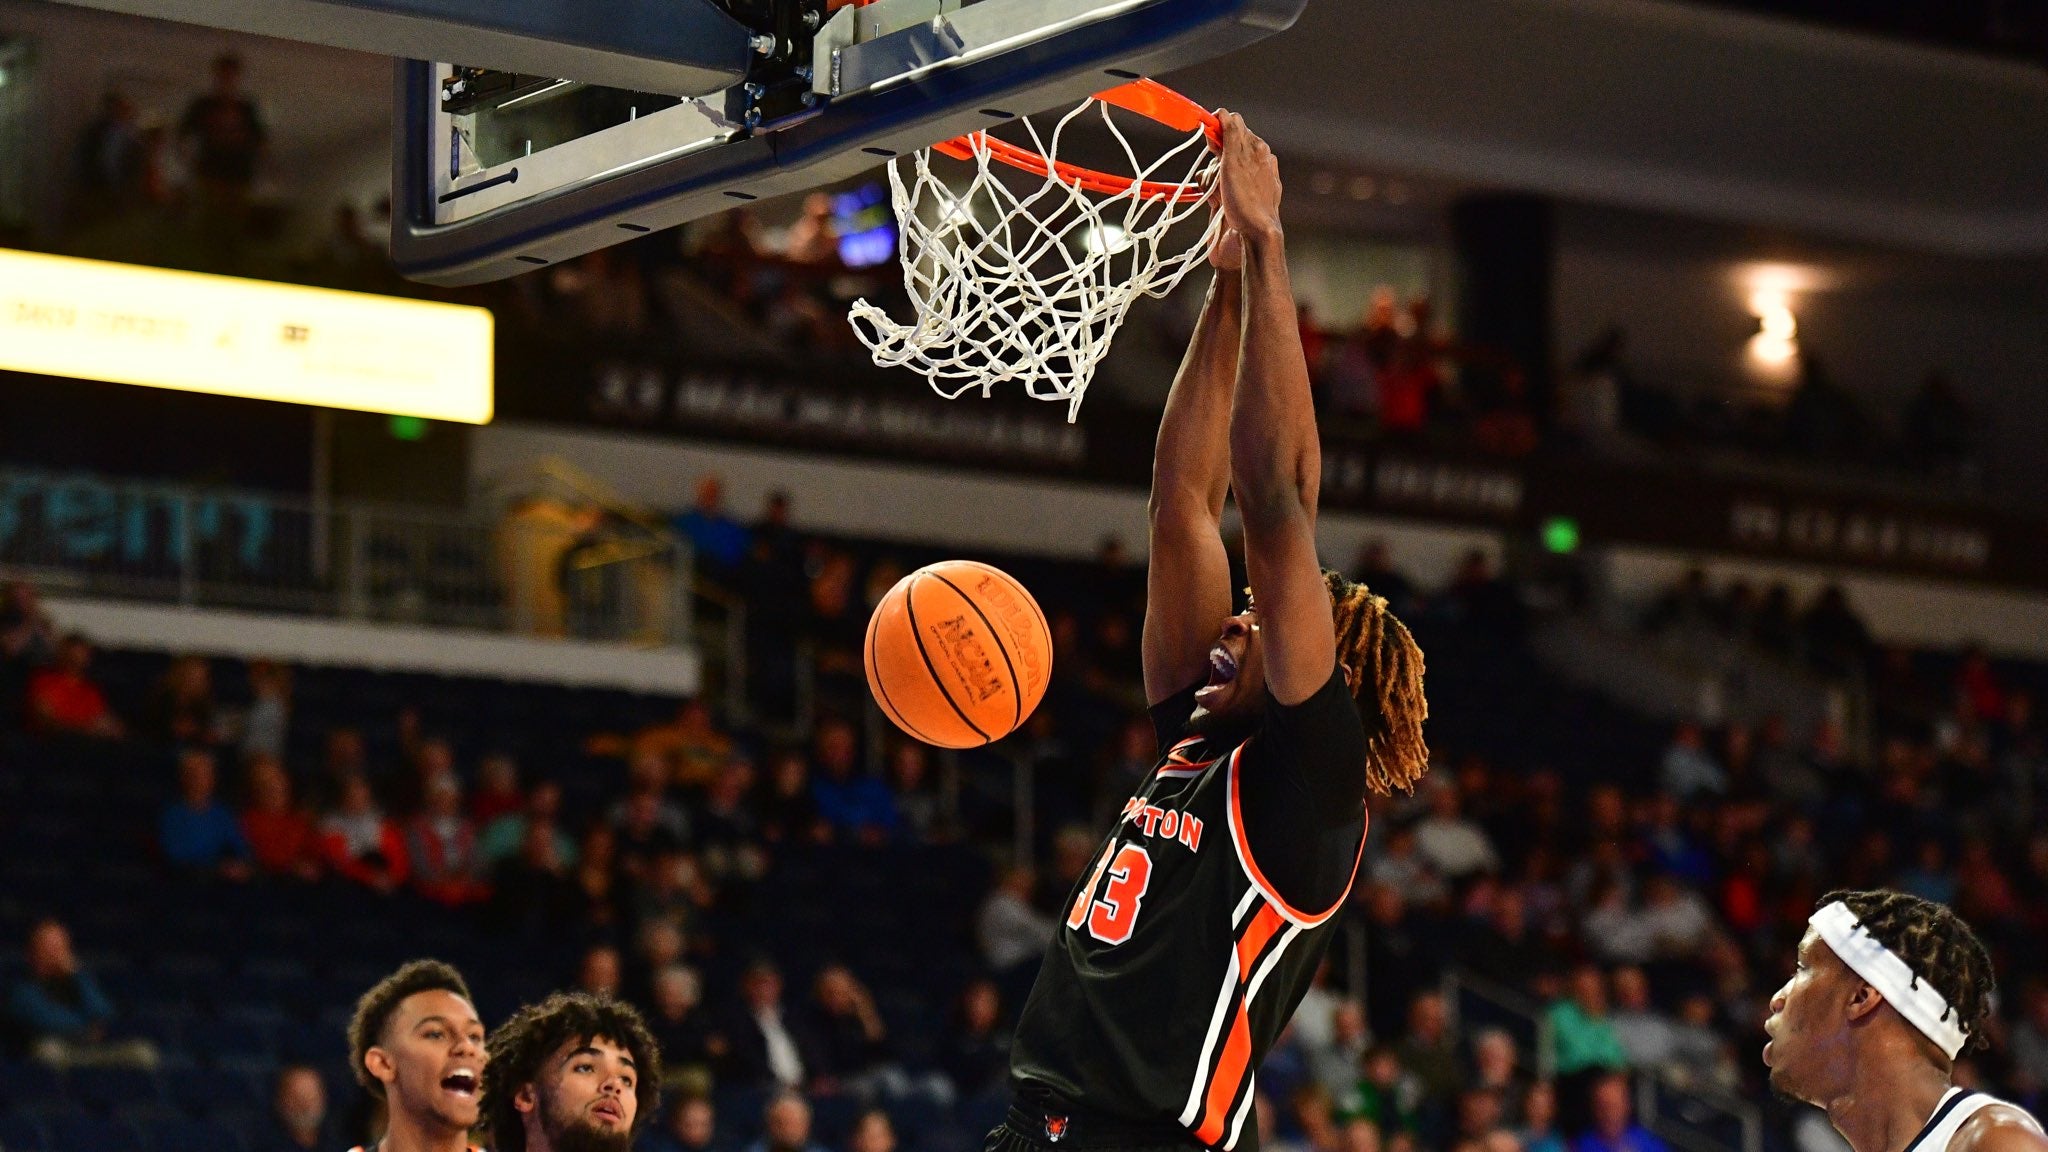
x=607, y=1110
x=462, y=1082
x=1222, y=670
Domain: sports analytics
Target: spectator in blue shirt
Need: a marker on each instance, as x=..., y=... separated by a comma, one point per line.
x=1614, y=1128
x=1539, y=1119
x=198, y=833
x=720, y=542
x=860, y=808
x=60, y=1011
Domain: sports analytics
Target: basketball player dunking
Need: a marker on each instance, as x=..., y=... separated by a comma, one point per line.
x=1195, y=933
x=1889, y=989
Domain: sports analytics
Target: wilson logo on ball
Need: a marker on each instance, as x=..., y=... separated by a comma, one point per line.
x=1019, y=620
x=958, y=654
x=969, y=660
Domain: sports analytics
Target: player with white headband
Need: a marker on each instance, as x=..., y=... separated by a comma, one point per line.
x=1889, y=990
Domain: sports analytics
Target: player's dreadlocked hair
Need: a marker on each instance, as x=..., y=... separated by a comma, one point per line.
x=1383, y=669
x=522, y=1044
x=374, y=1010
x=1936, y=944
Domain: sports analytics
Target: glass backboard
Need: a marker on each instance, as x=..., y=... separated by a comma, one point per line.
x=497, y=172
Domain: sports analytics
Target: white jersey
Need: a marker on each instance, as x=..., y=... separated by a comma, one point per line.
x=1956, y=1107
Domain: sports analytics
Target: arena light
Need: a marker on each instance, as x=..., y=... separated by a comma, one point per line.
x=1108, y=239
x=1771, y=291
x=1776, y=342
x=93, y=320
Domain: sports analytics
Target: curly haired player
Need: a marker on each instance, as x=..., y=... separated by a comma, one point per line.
x=1188, y=945
x=416, y=1043
x=574, y=1073
x=1888, y=990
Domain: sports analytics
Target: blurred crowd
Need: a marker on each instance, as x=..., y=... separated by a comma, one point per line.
x=735, y=287
x=1644, y=911
x=1826, y=635
x=1396, y=376
x=1604, y=404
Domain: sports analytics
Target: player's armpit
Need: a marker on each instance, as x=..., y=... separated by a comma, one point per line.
x=1313, y=750
x=1301, y=787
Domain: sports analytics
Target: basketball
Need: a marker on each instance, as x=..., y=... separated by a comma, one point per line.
x=958, y=654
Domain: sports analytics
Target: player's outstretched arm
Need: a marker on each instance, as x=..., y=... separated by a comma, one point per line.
x=1275, y=459
x=1187, y=594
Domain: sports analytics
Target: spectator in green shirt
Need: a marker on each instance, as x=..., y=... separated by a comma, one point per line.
x=1387, y=1094
x=1579, y=1027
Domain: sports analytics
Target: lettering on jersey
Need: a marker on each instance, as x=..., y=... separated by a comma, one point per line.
x=1164, y=823
x=962, y=645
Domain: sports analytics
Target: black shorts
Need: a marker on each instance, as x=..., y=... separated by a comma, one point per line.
x=1030, y=1129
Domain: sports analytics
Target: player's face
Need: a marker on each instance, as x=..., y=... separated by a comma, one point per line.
x=1808, y=1039
x=584, y=1099
x=1236, y=689
x=432, y=1059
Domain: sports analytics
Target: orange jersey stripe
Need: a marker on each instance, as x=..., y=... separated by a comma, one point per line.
x=1253, y=942
x=1230, y=1070
x=1237, y=1050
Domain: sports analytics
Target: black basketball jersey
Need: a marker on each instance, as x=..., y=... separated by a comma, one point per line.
x=1177, y=963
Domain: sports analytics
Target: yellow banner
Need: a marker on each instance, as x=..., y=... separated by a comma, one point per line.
x=232, y=337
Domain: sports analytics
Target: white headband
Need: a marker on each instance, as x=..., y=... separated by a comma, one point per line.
x=1894, y=979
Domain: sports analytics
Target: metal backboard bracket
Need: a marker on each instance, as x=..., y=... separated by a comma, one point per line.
x=880, y=80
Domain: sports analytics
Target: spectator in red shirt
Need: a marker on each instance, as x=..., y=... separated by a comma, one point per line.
x=497, y=790
x=440, y=845
x=360, y=843
x=282, y=840
x=63, y=699
x=1977, y=686
x=1409, y=383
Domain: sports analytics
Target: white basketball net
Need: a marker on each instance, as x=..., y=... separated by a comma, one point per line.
x=1031, y=285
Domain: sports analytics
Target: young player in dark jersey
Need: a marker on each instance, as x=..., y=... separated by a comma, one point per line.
x=574, y=1073
x=1190, y=941
x=416, y=1044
